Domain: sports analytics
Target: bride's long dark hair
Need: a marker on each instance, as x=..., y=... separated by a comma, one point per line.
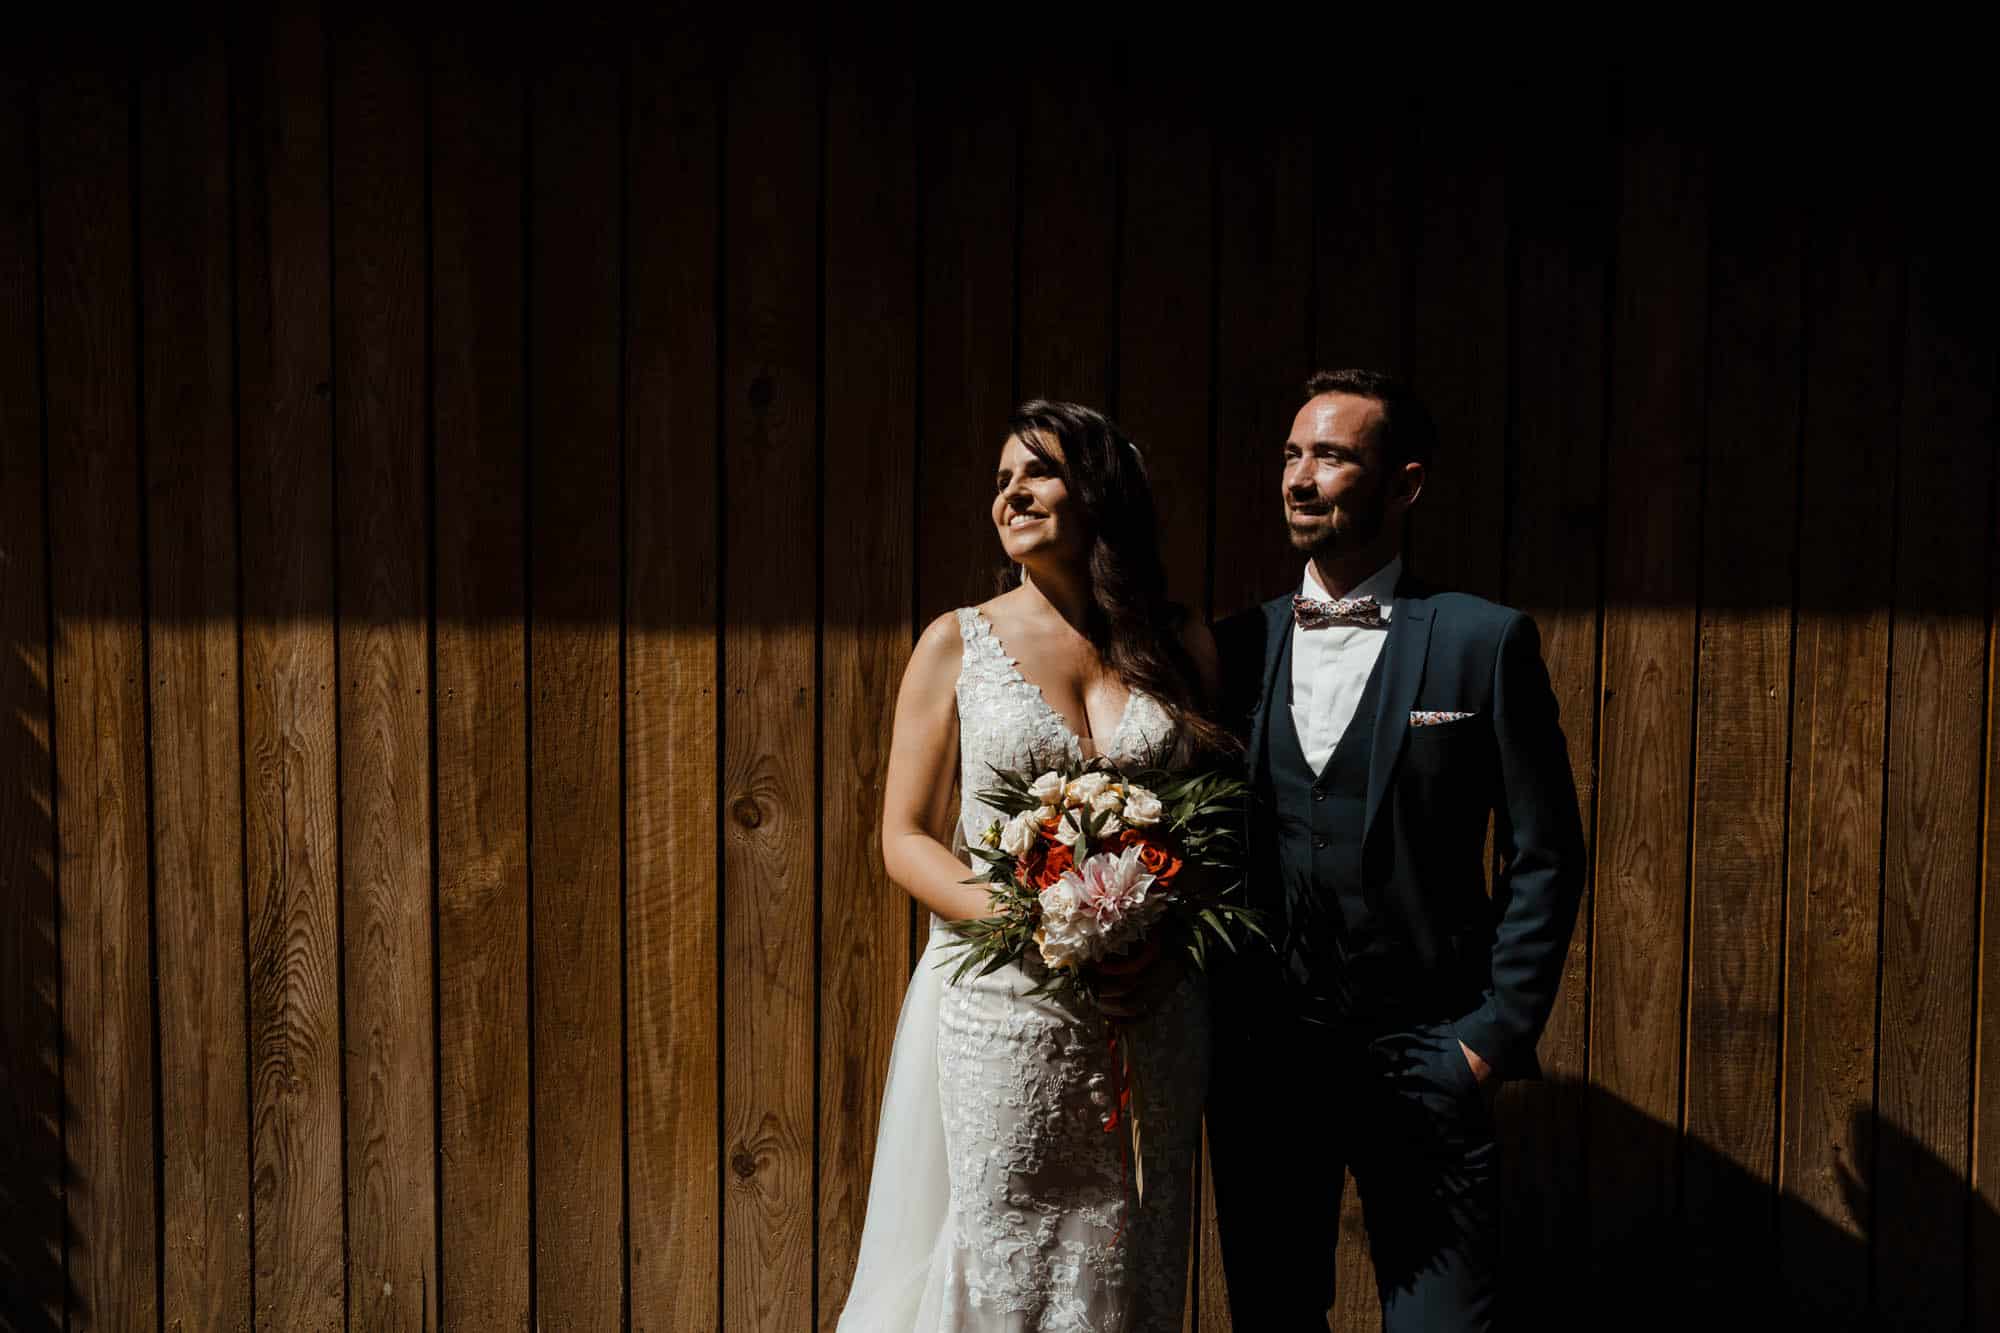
x=1133, y=626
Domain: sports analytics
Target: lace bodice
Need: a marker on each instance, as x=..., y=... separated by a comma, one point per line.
x=1005, y=722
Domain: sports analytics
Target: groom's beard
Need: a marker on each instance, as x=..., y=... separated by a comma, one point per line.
x=1351, y=526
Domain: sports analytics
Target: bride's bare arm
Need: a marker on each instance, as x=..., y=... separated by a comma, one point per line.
x=916, y=797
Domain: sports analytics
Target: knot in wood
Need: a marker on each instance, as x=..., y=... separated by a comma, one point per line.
x=743, y=1164
x=748, y=813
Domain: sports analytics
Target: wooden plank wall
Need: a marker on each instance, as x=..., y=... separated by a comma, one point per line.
x=467, y=491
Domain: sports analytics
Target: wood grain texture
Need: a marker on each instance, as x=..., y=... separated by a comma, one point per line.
x=671, y=702
x=1562, y=202
x=1983, y=1261
x=870, y=341
x=968, y=146
x=575, y=741
x=188, y=326
x=1842, y=663
x=1457, y=336
x=1262, y=348
x=89, y=316
x=1166, y=301
x=381, y=448
x=1743, y=714
x=1935, y=784
x=1069, y=173
x=1360, y=232
x=771, y=718
x=968, y=172
x=290, y=733
x=31, y=1096
x=1652, y=563
x=479, y=701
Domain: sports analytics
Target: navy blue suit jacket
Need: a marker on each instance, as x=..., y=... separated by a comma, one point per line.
x=1430, y=789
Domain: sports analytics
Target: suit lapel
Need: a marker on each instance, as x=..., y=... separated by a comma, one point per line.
x=1402, y=672
x=1277, y=623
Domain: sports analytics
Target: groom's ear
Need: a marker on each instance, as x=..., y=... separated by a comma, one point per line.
x=1412, y=482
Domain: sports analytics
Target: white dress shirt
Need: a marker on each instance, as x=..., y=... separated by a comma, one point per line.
x=1330, y=666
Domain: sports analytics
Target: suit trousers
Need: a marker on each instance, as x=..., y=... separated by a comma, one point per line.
x=1293, y=1104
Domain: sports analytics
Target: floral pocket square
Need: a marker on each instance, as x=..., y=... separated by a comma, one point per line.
x=1432, y=719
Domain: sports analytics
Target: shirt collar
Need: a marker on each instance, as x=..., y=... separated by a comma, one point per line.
x=1381, y=585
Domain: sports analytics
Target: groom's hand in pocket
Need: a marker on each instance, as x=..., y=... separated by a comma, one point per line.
x=1482, y=1074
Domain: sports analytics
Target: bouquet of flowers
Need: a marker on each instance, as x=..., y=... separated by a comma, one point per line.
x=1091, y=862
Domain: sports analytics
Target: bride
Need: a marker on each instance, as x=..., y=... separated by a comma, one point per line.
x=1000, y=1198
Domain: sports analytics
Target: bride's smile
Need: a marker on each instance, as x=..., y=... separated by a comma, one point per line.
x=1032, y=508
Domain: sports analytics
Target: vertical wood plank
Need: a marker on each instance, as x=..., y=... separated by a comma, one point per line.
x=1068, y=233
x=771, y=720
x=1562, y=204
x=968, y=174
x=1743, y=713
x=671, y=703
x=1983, y=1263
x=1358, y=317
x=1458, y=354
x=575, y=609
x=1853, y=349
x=1166, y=303
x=1935, y=784
x=289, y=730
x=870, y=343
x=484, y=1015
x=1262, y=333
x=188, y=326
x=1652, y=561
x=968, y=149
x=88, y=313
x=1263, y=350
x=383, y=465
x=31, y=1099
x=1360, y=205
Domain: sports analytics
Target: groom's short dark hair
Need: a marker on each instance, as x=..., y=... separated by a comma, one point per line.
x=1408, y=433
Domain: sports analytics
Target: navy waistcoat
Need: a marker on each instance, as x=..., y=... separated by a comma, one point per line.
x=1319, y=819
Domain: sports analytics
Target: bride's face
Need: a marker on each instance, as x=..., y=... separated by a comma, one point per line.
x=1032, y=508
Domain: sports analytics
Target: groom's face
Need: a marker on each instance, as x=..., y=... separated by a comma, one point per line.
x=1337, y=486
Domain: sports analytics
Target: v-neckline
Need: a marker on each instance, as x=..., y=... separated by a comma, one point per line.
x=1082, y=741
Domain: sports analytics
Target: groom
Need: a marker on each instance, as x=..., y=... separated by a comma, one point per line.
x=1382, y=722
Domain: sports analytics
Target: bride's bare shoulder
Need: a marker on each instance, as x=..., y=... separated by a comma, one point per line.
x=1003, y=609
x=937, y=650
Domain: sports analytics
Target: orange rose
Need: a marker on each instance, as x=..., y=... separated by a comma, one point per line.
x=1157, y=861
x=1058, y=860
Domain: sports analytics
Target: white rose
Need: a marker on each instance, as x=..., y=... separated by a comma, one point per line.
x=1109, y=824
x=1142, y=808
x=1047, y=789
x=1086, y=789
x=1068, y=831
x=1020, y=833
x=1108, y=799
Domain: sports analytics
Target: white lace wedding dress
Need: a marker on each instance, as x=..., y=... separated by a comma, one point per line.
x=999, y=1203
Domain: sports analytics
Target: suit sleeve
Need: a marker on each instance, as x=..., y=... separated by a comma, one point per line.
x=1539, y=833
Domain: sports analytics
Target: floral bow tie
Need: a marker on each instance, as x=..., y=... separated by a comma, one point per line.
x=1312, y=613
